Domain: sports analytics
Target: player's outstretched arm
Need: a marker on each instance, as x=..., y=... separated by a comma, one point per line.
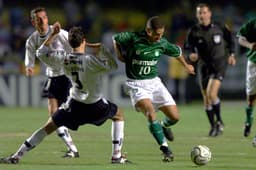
x=118, y=51
x=189, y=68
x=107, y=58
x=55, y=30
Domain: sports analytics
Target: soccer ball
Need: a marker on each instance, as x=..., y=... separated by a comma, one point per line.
x=200, y=154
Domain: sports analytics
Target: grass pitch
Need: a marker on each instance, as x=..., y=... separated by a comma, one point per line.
x=231, y=151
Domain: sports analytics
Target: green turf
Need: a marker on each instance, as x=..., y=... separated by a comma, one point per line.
x=231, y=151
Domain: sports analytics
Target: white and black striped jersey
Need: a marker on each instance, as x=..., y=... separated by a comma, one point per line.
x=60, y=43
x=84, y=70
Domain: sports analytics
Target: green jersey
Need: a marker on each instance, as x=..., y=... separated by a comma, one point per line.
x=248, y=30
x=141, y=55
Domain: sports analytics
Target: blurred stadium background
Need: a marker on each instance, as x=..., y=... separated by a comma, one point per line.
x=101, y=19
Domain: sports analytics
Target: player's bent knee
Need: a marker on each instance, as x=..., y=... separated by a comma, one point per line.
x=119, y=116
x=50, y=126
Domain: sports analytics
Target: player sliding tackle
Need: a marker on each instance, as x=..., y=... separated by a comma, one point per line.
x=85, y=104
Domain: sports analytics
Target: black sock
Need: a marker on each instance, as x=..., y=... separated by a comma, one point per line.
x=216, y=108
x=210, y=115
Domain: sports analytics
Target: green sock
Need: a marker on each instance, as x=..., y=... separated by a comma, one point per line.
x=157, y=131
x=249, y=115
x=167, y=122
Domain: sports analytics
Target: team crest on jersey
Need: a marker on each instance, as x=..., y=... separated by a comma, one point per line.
x=216, y=38
x=157, y=53
x=138, y=52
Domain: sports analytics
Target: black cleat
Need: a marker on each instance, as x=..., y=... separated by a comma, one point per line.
x=212, y=132
x=9, y=160
x=219, y=128
x=71, y=154
x=247, y=129
x=168, y=155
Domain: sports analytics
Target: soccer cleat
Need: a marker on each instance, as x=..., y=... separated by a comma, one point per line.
x=219, y=128
x=121, y=160
x=71, y=154
x=212, y=132
x=9, y=160
x=167, y=153
x=247, y=129
x=168, y=133
x=254, y=142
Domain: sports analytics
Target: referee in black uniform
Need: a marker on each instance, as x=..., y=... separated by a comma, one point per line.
x=212, y=45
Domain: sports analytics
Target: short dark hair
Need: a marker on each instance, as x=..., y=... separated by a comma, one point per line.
x=75, y=36
x=154, y=23
x=36, y=10
x=201, y=5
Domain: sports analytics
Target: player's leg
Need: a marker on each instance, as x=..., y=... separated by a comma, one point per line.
x=203, y=77
x=146, y=107
x=212, y=93
x=31, y=142
x=164, y=101
x=117, y=134
x=251, y=96
x=62, y=131
x=249, y=114
x=209, y=112
x=171, y=118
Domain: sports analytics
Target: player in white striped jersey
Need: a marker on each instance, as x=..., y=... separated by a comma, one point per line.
x=57, y=86
x=86, y=104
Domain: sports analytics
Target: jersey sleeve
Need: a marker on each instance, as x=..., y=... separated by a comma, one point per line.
x=229, y=38
x=103, y=61
x=123, y=39
x=172, y=50
x=189, y=45
x=63, y=38
x=246, y=29
x=30, y=53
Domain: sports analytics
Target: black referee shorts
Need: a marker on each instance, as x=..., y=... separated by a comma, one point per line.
x=213, y=70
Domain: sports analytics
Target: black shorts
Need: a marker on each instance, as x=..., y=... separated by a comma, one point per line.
x=73, y=114
x=57, y=87
x=213, y=70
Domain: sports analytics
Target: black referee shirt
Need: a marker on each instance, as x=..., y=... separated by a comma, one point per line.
x=211, y=43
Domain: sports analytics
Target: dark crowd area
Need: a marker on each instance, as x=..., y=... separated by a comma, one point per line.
x=102, y=18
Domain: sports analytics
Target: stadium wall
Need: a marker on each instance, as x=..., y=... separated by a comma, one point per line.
x=19, y=90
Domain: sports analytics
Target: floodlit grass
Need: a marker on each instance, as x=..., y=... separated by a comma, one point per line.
x=231, y=151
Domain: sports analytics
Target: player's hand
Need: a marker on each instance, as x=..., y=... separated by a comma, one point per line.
x=190, y=69
x=232, y=60
x=253, y=46
x=56, y=28
x=193, y=57
x=29, y=71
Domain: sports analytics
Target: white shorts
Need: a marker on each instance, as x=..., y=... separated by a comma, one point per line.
x=152, y=89
x=251, y=78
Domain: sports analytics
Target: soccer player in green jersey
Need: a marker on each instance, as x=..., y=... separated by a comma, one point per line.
x=141, y=51
x=247, y=38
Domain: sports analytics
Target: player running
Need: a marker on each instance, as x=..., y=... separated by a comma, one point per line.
x=141, y=51
x=246, y=38
x=212, y=45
